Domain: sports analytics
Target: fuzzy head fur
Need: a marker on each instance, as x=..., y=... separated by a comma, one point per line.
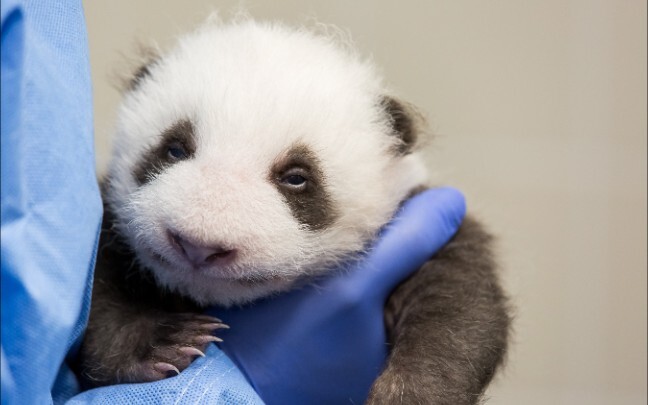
x=209, y=134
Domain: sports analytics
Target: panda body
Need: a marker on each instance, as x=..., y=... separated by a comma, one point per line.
x=252, y=157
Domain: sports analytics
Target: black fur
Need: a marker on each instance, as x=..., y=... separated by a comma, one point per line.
x=179, y=135
x=311, y=205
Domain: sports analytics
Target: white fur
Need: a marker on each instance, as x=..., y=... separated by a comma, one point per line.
x=252, y=91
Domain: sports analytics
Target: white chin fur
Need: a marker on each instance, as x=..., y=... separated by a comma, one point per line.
x=252, y=91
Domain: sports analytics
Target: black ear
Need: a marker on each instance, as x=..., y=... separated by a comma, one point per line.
x=136, y=68
x=142, y=72
x=405, y=123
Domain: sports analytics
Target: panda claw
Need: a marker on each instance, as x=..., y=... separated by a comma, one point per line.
x=191, y=351
x=164, y=368
x=212, y=326
x=207, y=339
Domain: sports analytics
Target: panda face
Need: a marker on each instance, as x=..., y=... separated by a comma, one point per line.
x=253, y=155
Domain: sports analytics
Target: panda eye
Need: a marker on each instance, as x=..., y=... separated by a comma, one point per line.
x=295, y=179
x=176, y=151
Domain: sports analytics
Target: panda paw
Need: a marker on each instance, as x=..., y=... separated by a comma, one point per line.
x=177, y=340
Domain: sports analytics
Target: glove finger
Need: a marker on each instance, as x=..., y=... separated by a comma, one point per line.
x=422, y=226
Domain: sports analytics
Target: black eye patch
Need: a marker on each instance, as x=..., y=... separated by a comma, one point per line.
x=301, y=182
x=177, y=143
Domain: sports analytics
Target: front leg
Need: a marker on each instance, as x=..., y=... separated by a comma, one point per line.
x=136, y=332
x=124, y=344
x=448, y=325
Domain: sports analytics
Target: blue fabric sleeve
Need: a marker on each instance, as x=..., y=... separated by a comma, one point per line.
x=212, y=379
x=51, y=209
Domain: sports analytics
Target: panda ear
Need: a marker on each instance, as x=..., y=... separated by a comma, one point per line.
x=406, y=124
x=137, y=69
x=140, y=74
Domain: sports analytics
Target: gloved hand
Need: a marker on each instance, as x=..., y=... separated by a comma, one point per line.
x=326, y=343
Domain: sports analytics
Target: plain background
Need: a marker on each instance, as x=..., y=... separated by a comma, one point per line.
x=539, y=110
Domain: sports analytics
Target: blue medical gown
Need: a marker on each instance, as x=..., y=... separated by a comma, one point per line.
x=51, y=214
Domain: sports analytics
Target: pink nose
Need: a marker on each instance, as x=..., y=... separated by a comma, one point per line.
x=200, y=254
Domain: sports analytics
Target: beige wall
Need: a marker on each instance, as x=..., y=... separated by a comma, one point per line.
x=540, y=111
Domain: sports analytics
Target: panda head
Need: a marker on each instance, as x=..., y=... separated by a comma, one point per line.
x=252, y=155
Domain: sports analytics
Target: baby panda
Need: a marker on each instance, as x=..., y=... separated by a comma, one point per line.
x=250, y=158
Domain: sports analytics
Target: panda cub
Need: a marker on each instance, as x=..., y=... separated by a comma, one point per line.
x=249, y=158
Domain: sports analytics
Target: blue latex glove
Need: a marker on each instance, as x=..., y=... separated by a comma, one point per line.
x=327, y=343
